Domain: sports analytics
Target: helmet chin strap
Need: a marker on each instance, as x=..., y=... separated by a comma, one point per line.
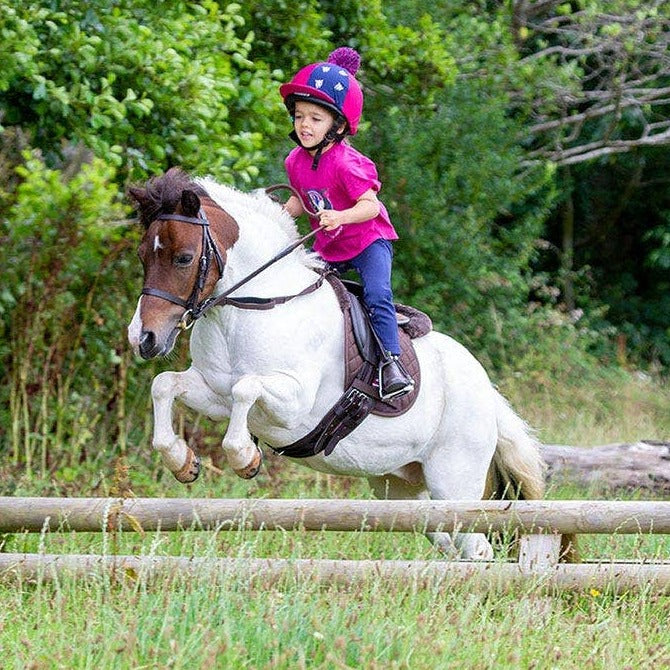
x=331, y=136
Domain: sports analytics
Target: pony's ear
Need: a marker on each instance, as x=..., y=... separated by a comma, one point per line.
x=190, y=203
x=139, y=195
x=141, y=198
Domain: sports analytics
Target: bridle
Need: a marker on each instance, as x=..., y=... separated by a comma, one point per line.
x=208, y=251
x=194, y=309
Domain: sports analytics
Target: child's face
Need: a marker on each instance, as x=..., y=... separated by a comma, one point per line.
x=311, y=123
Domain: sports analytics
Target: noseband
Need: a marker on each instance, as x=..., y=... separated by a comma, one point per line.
x=208, y=251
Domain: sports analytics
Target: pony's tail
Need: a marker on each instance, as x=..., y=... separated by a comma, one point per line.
x=517, y=471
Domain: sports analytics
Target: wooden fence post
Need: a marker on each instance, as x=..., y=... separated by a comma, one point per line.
x=539, y=553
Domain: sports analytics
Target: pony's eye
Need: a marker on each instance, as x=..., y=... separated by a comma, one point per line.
x=183, y=260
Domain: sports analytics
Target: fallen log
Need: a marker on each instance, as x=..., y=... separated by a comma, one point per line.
x=643, y=466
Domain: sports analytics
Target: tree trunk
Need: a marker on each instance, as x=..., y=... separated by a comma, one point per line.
x=568, y=245
x=641, y=466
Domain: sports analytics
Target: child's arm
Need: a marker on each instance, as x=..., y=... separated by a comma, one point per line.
x=294, y=207
x=366, y=208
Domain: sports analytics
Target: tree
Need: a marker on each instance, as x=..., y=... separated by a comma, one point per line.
x=605, y=73
x=601, y=113
x=93, y=94
x=143, y=85
x=468, y=222
x=488, y=120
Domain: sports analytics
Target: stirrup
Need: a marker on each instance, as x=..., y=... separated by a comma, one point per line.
x=396, y=394
x=408, y=388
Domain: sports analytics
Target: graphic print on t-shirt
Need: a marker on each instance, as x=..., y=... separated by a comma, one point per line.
x=318, y=200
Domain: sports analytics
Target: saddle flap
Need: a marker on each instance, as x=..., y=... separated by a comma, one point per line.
x=361, y=395
x=360, y=325
x=354, y=359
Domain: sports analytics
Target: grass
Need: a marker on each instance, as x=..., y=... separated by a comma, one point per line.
x=178, y=623
x=134, y=622
x=591, y=407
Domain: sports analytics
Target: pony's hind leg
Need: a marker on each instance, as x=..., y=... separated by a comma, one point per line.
x=191, y=389
x=445, y=481
x=408, y=484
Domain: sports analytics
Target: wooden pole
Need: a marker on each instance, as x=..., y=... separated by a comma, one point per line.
x=539, y=552
x=546, y=516
x=610, y=577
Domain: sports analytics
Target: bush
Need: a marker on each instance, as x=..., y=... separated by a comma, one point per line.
x=66, y=281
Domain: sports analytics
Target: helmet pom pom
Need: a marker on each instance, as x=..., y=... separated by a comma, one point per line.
x=347, y=58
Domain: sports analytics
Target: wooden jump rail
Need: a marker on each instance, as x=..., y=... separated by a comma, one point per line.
x=541, y=523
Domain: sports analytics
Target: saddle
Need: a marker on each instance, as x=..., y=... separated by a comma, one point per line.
x=361, y=361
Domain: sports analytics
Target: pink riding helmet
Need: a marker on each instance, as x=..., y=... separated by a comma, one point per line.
x=331, y=84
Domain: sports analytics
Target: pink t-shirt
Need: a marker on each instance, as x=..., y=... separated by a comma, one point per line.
x=342, y=177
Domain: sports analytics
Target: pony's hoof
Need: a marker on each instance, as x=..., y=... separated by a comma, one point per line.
x=189, y=473
x=251, y=470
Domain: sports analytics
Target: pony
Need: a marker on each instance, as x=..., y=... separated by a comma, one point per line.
x=273, y=373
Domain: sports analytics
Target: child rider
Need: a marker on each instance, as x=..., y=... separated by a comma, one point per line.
x=341, y=185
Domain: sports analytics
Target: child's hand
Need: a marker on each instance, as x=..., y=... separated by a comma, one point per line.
x=330, y=219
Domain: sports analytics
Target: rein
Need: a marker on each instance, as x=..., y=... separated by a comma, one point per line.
x=195, y=310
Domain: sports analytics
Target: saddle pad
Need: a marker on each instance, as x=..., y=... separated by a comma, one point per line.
x=419, y=324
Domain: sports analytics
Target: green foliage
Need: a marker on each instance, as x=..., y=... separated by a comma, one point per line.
x=467, y=220
x=143, y=85
x=411, y=61
x=64, y=284
x=94, y=95
x=287, y=34
x=621, y=284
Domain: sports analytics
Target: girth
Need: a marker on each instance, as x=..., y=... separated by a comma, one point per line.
x=345, y=415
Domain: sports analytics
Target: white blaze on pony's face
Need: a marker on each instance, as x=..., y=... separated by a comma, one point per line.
x=178, y=274
x=135, y=329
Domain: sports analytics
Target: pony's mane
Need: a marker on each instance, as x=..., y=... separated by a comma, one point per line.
x=162, y=194
x=259, y=207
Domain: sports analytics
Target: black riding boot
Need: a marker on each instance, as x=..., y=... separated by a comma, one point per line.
x=393, y=379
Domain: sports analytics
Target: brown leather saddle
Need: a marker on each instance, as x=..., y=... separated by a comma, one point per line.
x=361, y=362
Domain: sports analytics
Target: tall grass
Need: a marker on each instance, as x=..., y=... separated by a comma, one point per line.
x=585, y=405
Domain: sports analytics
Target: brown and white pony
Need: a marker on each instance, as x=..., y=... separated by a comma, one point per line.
x=273, y=373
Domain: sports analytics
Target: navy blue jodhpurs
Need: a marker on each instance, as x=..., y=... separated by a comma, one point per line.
x=373, y=265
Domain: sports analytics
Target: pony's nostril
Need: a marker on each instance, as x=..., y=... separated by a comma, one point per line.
x=147, y=344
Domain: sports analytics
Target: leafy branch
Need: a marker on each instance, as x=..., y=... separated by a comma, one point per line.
x=605, y=78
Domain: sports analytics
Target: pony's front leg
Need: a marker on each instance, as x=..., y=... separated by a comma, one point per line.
x=277, y=394
x=190, y=388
